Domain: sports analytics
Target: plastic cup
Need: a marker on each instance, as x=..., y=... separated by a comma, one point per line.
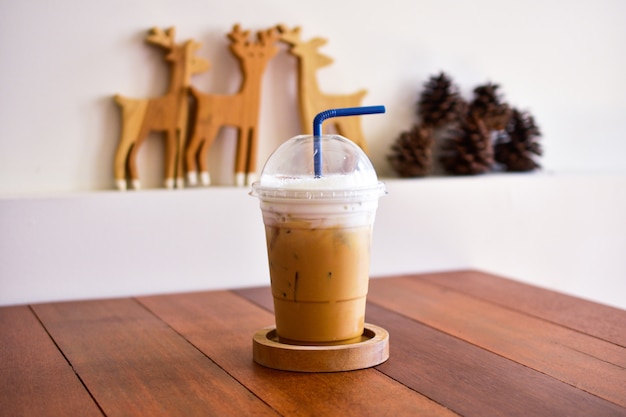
x=318, y=233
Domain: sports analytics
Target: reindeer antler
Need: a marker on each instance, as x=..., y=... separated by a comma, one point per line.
x=291, y=37
x=196, y=64
x=269, y=36
x=157, y=36
x=263, y=47
x=238, y=36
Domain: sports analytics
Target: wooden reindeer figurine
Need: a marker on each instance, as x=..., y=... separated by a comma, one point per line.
x=240, y=110
x=168, y=113
x=312, y=99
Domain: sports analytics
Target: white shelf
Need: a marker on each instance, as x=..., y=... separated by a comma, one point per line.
x=566, y=232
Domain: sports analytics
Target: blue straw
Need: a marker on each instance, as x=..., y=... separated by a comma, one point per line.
x=327, y=114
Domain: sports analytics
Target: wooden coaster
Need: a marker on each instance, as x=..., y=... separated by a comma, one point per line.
x=372, y=350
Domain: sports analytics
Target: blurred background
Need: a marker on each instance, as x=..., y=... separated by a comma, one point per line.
x=62, y=62
x=562, y=227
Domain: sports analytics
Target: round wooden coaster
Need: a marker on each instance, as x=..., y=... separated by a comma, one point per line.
x=372, y=350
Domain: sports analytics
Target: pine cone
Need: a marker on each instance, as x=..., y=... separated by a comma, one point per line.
x=440, y=102
x=468, y=149
x=412, y=152
x=516, y=148
x=487, y=105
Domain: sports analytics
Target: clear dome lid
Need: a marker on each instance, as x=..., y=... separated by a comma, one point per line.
x=345, y=171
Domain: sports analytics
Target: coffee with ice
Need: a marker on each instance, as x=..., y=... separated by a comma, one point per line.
x=318, y=223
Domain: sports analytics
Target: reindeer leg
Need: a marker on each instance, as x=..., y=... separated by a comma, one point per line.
x=205, y=176
x=170, y=157
x=133, y=112
x=181, y=142
x=203, y=154
x=180, y=149
x=132, y=156
x=180, y=177
x=132, y=166
x=121, y=155
x=251, y=157
x=190, y=156
x=241, y=156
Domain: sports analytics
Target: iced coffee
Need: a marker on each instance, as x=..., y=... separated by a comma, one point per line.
x=319, y=280
x=318, y=233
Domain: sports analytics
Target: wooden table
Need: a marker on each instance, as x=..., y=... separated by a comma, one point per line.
x=462, y=343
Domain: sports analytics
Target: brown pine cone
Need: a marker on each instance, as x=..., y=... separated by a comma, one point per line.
x=515, y=149
x=440, y=103
x=411, y=153
x=487, y=105
x=468, y=149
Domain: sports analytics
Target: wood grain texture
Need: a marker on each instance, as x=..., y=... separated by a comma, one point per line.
x=588, y=317
x=240, y=110
x=221, y=324
x=35, y=378
x=473, y=381
x=261, y=296
x=311, y=99
x=455, y=350
x=575, y=358
x=466, y=377
x=168, y=113
x=135, y=365
x=372, y=350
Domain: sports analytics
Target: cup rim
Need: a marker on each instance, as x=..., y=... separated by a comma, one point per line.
x=321, y=195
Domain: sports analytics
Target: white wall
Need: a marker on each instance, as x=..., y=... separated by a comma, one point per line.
x=565, y=232
x=62, y=62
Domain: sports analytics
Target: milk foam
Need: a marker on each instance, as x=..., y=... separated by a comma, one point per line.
x=326, y=182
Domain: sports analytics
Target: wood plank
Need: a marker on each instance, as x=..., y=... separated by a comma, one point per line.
x=602, y=321
x=474, y=382
x=222, y=324
x=261, y=296
x=466, y=378
x=135, y=365
x=578, y=359
x=35, y=378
